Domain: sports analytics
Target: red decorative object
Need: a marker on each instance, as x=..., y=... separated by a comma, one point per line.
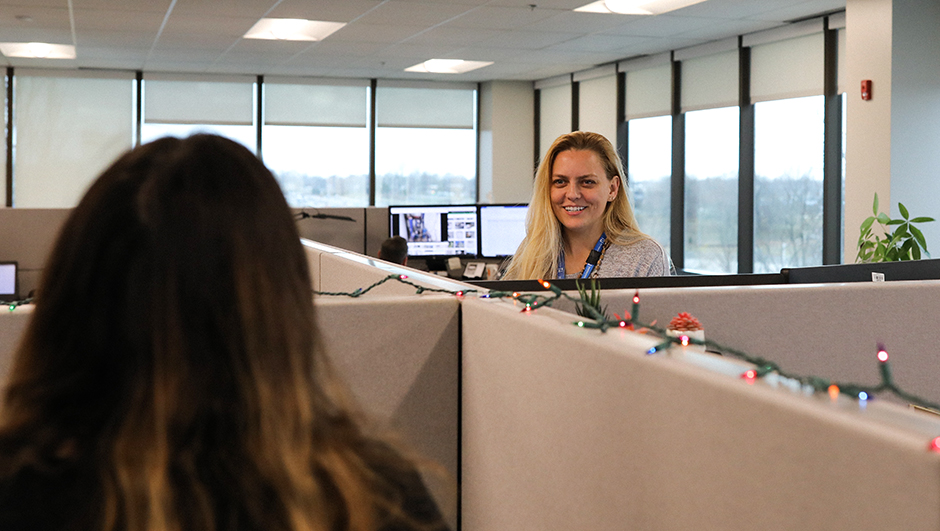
x=684, y=322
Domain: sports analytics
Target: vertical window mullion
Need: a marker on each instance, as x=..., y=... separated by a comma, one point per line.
x=537, y=127
x=622, y=129
x=259, y=115
x=745, y=165
x=575, y=104
x=832, y=154
x=9, y=137
x=372, y=178
x=677, y=208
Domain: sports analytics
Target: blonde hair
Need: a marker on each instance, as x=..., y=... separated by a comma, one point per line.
x=537, y=255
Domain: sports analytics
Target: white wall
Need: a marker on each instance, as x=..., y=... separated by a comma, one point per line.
x=507, y=115
x=915, y=113
x=868, y=123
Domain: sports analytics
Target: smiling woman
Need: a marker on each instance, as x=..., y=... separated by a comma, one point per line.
x=579, y=223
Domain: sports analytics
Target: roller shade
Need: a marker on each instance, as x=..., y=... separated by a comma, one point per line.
x=710, y=81
x=597, y=108
x=317, y=105
x=424, y=107
x=554, y=114
x=790, y=68
x=649, y=92
x=172, y=101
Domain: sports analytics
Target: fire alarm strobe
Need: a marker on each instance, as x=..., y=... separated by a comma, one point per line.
x=866, y=89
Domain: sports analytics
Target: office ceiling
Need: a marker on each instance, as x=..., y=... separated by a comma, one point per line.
x=526, y=39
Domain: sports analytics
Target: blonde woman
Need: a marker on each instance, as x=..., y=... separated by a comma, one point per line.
x=580, y=223
x=171, y=378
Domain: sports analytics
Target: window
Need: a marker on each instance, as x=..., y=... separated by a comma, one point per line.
x=316, y=142
x=425, y=145
x=788, y=183
x=183, y=105
x=649, y=156
x=69, y=126
x=711, y=190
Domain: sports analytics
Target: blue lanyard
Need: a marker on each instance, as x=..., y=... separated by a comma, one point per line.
x=591, y=261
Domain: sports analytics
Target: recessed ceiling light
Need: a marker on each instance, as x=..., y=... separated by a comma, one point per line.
x=37, y=50
x=447, y=66
x=636, y=7
x=292, y=29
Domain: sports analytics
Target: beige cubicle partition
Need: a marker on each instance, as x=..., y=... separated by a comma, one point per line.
x=568, y=428
x=400, y=356
x=827, y=330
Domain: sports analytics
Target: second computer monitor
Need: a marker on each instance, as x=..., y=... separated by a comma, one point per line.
x=502, y=229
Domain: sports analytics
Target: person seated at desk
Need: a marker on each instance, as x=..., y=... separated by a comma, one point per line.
x=394, y=250
x=580, y=223
x=171, y=377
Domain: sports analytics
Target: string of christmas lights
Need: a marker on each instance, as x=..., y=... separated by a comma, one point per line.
x=14, y=304
x=419, y=289
x=765, y=368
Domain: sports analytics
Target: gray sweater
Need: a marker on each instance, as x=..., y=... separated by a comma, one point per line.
x=645, y=258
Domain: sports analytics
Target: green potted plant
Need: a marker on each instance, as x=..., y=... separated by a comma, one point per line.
x=906, y=242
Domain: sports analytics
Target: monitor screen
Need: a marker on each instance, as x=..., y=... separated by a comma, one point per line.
x=502, y=229
x=440, y=230
x=7, y=280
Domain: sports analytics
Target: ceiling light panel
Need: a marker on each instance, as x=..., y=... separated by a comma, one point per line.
x=447, y=66
x=636, y=7
x=292, y=29
x=37, y=50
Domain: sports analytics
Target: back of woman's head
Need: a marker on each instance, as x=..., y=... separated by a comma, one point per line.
x=172, y=346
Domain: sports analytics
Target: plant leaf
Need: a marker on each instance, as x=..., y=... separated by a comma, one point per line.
x=922, y=219
x=896, y=222
x=919, y=236
x=916, y=252
x=903, y=210
x=874, y=206
x=883, y=218
x=867, y=223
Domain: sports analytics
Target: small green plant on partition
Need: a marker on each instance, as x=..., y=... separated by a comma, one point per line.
x=906, y=242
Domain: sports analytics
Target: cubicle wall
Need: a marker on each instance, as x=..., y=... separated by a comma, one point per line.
x=400, y=357
x=826, y=330
x=26, y=237
x=27, y=234
x=568, y=428
x=550, y=426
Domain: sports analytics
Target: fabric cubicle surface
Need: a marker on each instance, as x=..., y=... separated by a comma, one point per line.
x=569, y=428
x=827, y=330
x=400, y=357
x=337, y=270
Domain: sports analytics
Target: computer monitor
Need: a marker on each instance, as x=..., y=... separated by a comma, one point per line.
x=502, y=229
x=8, y=281
x=439, y=230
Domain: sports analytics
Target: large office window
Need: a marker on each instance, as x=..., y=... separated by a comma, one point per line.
x=649, y=152
x=711, y=190
x=184, y=105
x=709, y=102
x=649, y=143
x=316, y=141
x=68, y=127
x=788, y=183
x=425, y=145
x=789, y=135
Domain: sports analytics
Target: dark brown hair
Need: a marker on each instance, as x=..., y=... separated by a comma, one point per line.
x=172, y=358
